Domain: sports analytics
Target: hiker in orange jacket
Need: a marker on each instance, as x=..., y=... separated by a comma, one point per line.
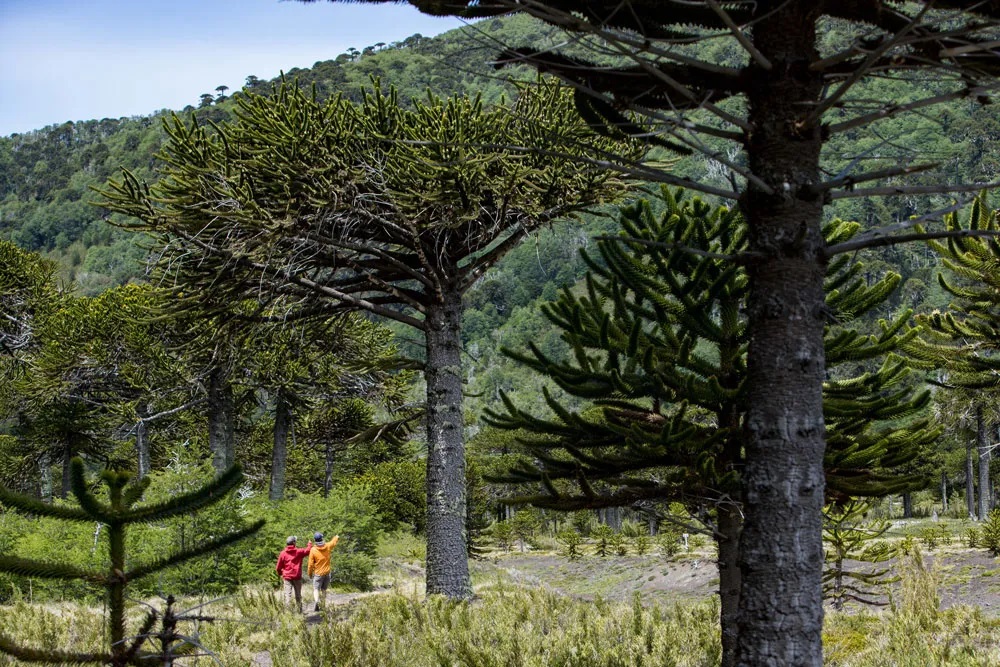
x=319, y=568
x=290, y=568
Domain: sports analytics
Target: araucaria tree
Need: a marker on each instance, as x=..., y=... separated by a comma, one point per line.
x=398, y=211
x=780, y=104
x=117, y=513
x=658, y=345
x=962, y=343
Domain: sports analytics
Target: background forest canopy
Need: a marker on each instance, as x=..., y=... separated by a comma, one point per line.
x=45, y=185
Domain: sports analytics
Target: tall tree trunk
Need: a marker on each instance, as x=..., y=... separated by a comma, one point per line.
x=944, y=492
x=970, y=483
x=328, y=469
x=279, y=455
x=142, y=453
x=221, y=415
x=781, y=555
x=907, y=505
x=728, y=541
x=983, y=445
x=67, y=457
x=447, y=555
x=45, y=477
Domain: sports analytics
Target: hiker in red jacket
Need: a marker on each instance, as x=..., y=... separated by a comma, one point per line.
x=290, y=568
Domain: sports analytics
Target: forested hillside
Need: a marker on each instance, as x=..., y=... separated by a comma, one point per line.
x=389, y=295
x=46, y=178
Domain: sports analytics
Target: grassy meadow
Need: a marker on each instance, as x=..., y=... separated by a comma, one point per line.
x=590, y=618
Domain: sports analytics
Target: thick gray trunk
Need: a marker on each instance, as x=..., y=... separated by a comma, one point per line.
x=907, y=505
x=983, y=445
x=970, y=484
x=221, y=414
x=279, y=455
x=142, y=453
x=781, y=554
x=447, y=555
x=728, y=541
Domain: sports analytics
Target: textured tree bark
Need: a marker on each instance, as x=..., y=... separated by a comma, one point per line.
x=944, y=492
x=45, y=476
x=67, y=455
x=328, y=469
x=970, y=484
x=221, y=409
x=279, y=455
x=447, y=553
x=781, y=550
x=728, y=541
x=983, y=445
x=142, y=453
x=907, y=505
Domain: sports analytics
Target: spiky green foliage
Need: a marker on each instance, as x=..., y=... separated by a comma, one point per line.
x=27, y=293
x=118, y=512
x=322, y=207
x=361, y=205
x=659, y=342
x=964, y=341
x=990, y=534
x=855, y=556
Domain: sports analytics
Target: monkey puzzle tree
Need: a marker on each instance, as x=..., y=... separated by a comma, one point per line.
x=963, y=343
x=398, y=211
x=658, y=344
x=781, y=104
x=27, y=291
x=118, y=511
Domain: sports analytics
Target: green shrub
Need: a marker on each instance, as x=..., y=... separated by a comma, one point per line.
x=398, y=491
x=602, y=534
x=570, y=541
x=668, y=541
x=990, y=532
x=973, y=537
x=503, y=534
x=935, y=535
x=524, y=525
x=642, y=544
x=347, y=512
x=618, y=544
x=582, y=521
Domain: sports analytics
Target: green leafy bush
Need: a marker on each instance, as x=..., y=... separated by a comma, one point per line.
x=397, y=489
x=347, y=512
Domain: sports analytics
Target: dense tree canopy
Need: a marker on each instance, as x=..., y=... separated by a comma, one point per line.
x=325, y=207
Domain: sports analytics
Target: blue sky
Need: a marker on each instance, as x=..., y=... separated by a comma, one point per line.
x=79, y=60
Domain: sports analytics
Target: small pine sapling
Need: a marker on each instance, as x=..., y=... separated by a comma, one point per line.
x=990, y=532
x=503, y=534
x=618, y=544
x=602, y=535
x=570, y=540
x=642, y=544
x=524, y=525
x=973, y=537
x=849, y=538
x=118, y=513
